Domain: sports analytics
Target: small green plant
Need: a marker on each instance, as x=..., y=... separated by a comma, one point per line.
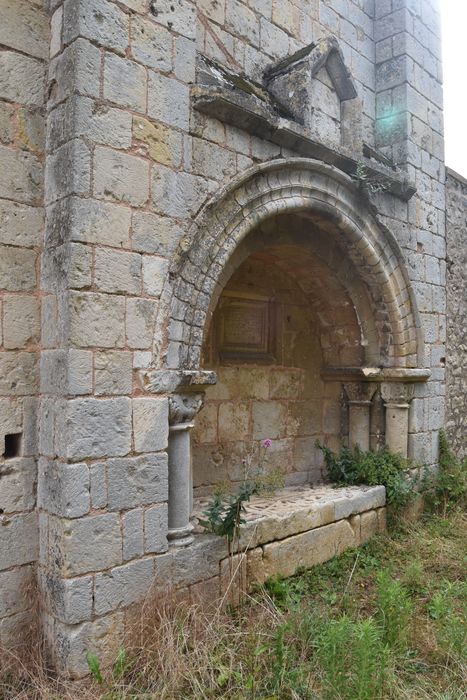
x=446, y=489
x=367, y=182
x=394, y=611
x=450, y=616
x=224, y=513
x=353, y=658
x=352, y=467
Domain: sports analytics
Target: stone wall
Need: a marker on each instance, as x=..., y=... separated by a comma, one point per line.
x=24, y=51
x=129, y=166
x=456, y=358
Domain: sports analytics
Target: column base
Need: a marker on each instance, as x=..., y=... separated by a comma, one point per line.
x=180, y=537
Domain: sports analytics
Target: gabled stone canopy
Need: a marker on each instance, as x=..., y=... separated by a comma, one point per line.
x=289, y=79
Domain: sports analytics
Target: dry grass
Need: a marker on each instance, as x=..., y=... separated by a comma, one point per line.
x=267, y=649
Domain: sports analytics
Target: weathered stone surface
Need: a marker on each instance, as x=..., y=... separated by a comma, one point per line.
x=177, y=194
x=70, y=600
x=155, y=529
x=154, y=234
x=123, y=586
x=151, y=44
x=90, y=221
x=179, y=16
x=161, y=143
x=113, y=373
x=64, y=489
x=154, y=275
x=96, y=319
x=120, y=177
x=133, y=534
x=125, y=83
x=15, y=585
x=69, y=171
x=21, y=321
x=140, y=317
x=22, y=79
x=18, y=540
x=84, y=545
x=18, y=373
x=98, y=20
x=17, y=484
x=77, y=68
x=103, y=637
x=117, y=271
x=150, y=424
x=137, y=481
x=98, y=427
x=20, y=176
x=168, y=101
x=20, y=225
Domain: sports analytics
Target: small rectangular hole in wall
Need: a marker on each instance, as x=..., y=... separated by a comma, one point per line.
x=12, y=445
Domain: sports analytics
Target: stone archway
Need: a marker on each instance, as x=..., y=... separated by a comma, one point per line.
x=378, y=287
x=278, y=187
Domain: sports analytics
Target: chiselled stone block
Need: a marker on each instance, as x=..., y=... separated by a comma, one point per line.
x=17, y=484
x=18, y=540
x=98, y=427
x=137, y=481
x=16, y=587
x=84, y=545
x=150, y=424
x=123, y=586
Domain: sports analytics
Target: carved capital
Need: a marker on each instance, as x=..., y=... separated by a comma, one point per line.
x=184, y=407
x=359, y=393
x=397, y=393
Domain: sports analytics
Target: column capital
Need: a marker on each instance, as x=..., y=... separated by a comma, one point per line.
x=184, y=406
x=397, y=393
x=359, y=393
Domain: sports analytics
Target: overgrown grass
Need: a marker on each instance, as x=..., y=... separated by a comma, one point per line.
x=387, y=621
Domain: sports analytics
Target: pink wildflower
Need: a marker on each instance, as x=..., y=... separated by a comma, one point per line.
x=267, y=443
x=244, y=461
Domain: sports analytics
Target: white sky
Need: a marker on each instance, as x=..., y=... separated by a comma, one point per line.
x=454, y=28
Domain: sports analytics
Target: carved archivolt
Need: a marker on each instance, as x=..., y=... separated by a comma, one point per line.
x=279, y=187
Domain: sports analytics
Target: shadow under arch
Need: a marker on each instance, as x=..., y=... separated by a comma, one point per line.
x=295, y=185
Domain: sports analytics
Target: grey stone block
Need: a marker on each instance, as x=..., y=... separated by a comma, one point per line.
x=133, y=535
x=22, y=78
x=24, y=27
x=84, y=545
x=137, y=481
x=68, y=171
x=18, y=373
x=150, y=424
x=120, y=177
x=155, y=529
x=15, y=590
x=89, y=221
x=169, y=101
x=98, y=427
x=177, y=15
x=96, y=319
x=151, y=44
x=77, y=69
x=118, y=271
x=20, y=225
x=68, y=599
x=101, y=21
x=140, y=319
x=113, y=373
x=178, y=194
x=21, y=176
x=63, y=489
x=17, y=484
x=125, y=82
x=155, y=234
x=18, y=540
x=98, y=484
x=123, y=586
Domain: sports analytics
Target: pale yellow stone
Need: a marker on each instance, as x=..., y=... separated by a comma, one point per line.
x=163, y=144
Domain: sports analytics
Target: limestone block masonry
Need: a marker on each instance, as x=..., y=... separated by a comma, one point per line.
x=157, y=157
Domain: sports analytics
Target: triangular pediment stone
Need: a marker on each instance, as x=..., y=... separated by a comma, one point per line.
x=324, y=53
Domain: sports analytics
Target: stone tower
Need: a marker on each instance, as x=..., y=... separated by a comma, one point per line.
x=220, y=221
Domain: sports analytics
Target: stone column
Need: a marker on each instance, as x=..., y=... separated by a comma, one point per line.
x=359, y=396
x=397, y=398
x=182, y=409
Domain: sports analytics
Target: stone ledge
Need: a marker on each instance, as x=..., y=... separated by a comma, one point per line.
x=293, y=511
